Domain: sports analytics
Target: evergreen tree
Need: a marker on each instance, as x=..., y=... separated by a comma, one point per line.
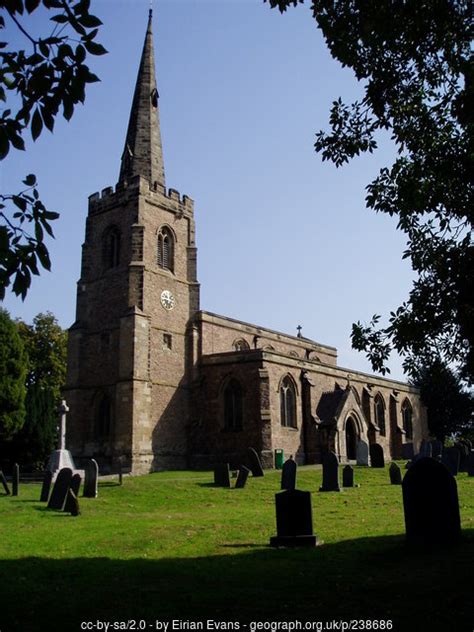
x=13, y=369
x=45, y=343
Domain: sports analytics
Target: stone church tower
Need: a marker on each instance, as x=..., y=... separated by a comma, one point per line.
x=129, y=352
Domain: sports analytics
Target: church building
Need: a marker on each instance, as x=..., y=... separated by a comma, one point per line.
x=155, y=381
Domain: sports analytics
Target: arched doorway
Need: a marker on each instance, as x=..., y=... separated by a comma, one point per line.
x=351, y=439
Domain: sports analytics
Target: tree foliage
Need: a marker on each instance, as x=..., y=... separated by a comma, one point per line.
x=46, y=345
x=450, y=406
x=36, y=84
x=415, y=61
x=13, y=369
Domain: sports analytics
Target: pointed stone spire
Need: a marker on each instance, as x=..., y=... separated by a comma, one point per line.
x=143, y=154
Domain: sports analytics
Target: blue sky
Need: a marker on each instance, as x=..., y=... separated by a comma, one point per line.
x=283, y=238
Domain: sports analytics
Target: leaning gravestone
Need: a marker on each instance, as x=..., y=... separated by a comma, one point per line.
x=395, y=474
x=242, y=477
x=72, y=503
x=376, y=455
x=436, y=448
x=425, y=448
x=254, y=463
x=430, y=503
x=408, y=451
x=348, y=476
x=74, y=485
x=330, y=473
x=91, y=477
x=15, y=479
x=470, y=464
x=294, y=519
x=60, y=489
x=362, y=453
x=46, y=487
x=450, y=459
x=288, y=474
x=3, y=480
x=221, y=475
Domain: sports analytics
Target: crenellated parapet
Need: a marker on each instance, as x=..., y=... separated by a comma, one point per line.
x=138, y=185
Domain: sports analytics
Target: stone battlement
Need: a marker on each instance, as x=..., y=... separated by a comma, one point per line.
x=100, y=200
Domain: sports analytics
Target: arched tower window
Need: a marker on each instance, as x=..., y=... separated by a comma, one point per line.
x=111, y=248
x=241, y=345
x=166, y=249
x=287, y=403
x=379, y=410
x=233, y=405
x=407, y=419
x=103, y=418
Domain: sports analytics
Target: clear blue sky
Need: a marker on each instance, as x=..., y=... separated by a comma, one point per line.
x=283, y=238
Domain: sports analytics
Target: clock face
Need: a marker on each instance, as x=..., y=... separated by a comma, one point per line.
x=167, y=299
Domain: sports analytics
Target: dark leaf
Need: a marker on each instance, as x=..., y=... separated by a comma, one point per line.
x=36, y=124
x=31, y=5
x=94, y=48
x=30, y=180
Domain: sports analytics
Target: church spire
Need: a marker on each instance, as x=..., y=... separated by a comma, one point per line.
x=143, y=154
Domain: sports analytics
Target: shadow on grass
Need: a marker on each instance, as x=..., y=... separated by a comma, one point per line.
x=367, y=578
x=109, y=484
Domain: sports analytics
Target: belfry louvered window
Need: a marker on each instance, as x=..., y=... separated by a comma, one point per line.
x=165, y=249
x=111, y=248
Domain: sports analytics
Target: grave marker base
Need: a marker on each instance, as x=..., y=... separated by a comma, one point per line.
x=293, y=540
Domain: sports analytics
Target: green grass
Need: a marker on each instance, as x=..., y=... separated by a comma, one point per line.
x=171, y=546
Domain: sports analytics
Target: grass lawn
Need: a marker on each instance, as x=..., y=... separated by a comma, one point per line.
x=171, y=546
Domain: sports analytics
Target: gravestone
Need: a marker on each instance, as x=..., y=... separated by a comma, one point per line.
x=362, y=453
x=430, y=503
x=470, y=464
x=450, y=459
x=46, y=487
x=463, y=455
x=330, y=473
x=395, y=474
x=60, y=489
x=3, y=480
x=254, y=463
x=15, y=479
x=72, y=503
x=221, y=475
x=436, y=448
x=376, y=455
x=425, y=448
x=61, y=458
x=408, y=452
x=71, y=499
x=242, y=477
x=348, y=476
x=294, y=519
x=288, y=474
x=91, y=477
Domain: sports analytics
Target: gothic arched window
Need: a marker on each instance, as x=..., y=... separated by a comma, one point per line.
x=233, y=405
x=379, y=409
x=166, y=249
x=111, y=248
x=407, y=419
x=287, y=403
x=103, y=417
